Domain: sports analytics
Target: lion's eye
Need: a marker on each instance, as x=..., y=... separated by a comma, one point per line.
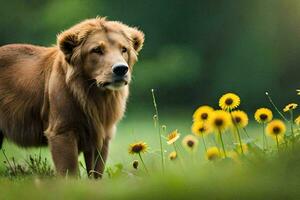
x=98, y=50
x=124, y=49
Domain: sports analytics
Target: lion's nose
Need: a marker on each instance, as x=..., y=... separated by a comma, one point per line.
x=120, y=69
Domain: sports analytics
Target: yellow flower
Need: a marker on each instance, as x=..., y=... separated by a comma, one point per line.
x=173, y=137
x=190, y=142
x=213, y=153
x=229, y=101
x=297, y=120
x=276, y=128
x=173, y=155
x=200, y=128
x=137, y=148
x=291, y=106
x=263, y=115
x=298, y=92
x=240, y=118
x=202, y=113
x=220, y=120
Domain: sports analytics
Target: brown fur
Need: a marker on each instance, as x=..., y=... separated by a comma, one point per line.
x=57, y=95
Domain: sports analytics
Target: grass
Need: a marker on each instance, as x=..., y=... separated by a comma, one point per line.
x=259, y=177
x=224, y=180
x=129, y=130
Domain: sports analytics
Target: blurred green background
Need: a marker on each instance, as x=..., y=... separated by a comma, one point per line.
x=194, y=50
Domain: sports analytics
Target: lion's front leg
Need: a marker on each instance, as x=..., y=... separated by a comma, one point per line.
x=1, y=139
x=101, y=156
x=64, y=150
x=89, y=158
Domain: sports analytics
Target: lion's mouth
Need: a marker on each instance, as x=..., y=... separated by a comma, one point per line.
x=115, y=84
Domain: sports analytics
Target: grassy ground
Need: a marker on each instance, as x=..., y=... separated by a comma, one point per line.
x=274, y=177
x=133, y=128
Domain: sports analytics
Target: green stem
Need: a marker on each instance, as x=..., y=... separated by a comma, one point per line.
x=238, y=132
x=175, y=149
x=204, y=142
x=179, y=157
x=271, y=101
x=265, y=140
x=12, y=169
x=263, y=135
x=240, y=139
x=159, y=134
x=292, y=122
x=277, y=143
x=143, y=163
x=246, y=133
x=215, y=142
x=180, y=150
x=220, y=135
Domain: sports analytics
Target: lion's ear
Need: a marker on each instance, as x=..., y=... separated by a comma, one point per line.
x=67, y=41
x=137, y=38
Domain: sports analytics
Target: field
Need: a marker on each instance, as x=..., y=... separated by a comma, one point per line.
x=274, y=176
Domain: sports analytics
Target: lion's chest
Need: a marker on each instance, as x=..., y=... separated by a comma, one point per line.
x=109, y=110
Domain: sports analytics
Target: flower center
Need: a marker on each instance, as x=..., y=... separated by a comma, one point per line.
x=263, y=116
x=276, y=130
x=137, y=148
x=204, y=116
x=190, y=143
x=238, y=120
x=228, y=101
x=202, y=129
x=172, y=136
x=291, y=106
x=219, y=122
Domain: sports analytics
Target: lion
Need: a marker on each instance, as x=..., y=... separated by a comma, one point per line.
x=69, y=96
